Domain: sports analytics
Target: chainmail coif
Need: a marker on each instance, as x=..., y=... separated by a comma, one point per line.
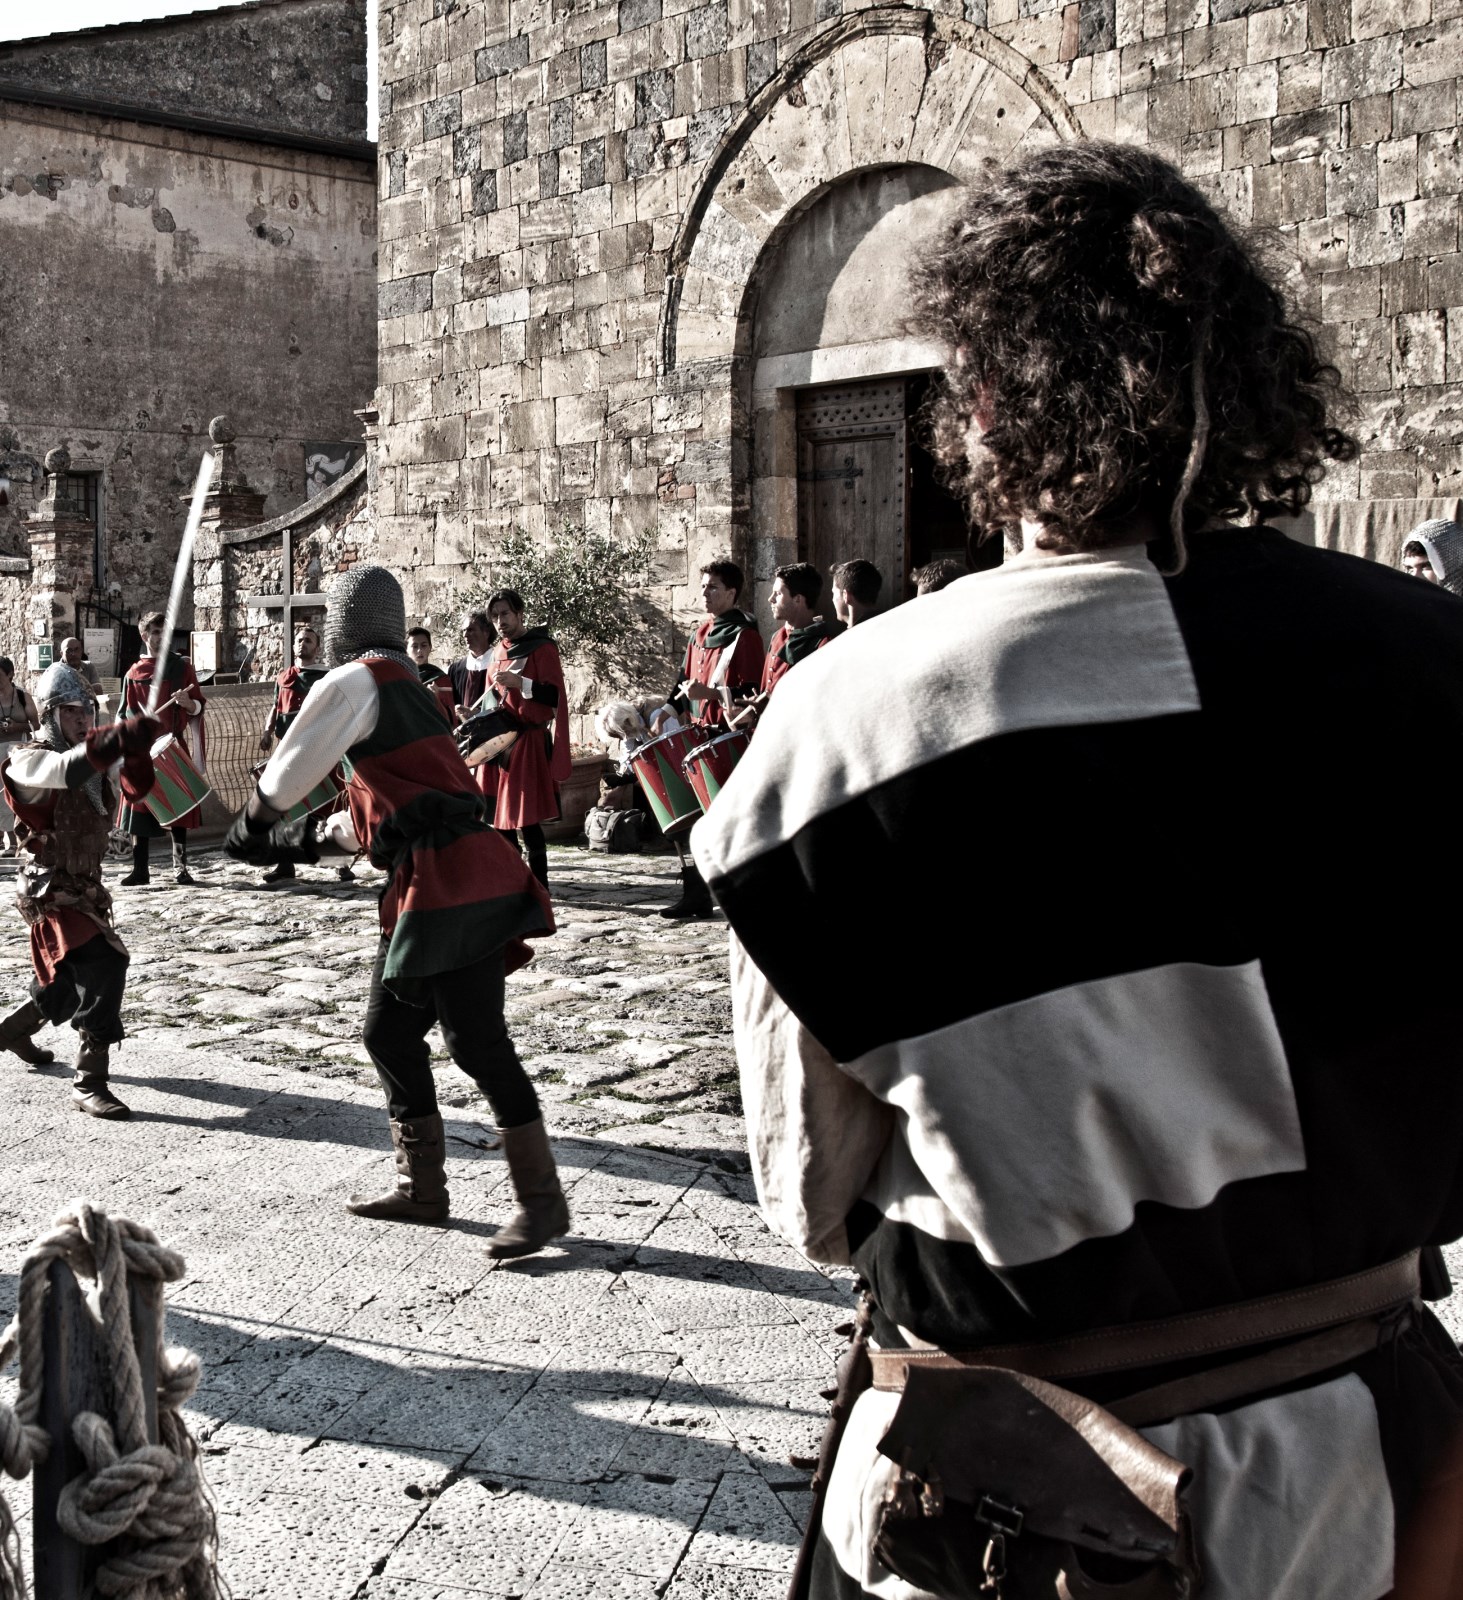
x=365, y=616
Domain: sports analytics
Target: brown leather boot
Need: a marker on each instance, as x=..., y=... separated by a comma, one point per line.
x=543, y=1212
x=16, y=1031
x=89, y=1091
x=420, y=1194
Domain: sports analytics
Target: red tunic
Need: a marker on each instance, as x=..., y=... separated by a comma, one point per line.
x=776, y=666
x=187, y=730
x=59, y=928
x=290, y=689
x=538, y=763
x=457, y=892
x=703, y=663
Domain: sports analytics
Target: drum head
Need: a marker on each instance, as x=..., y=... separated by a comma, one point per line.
x=492, y=747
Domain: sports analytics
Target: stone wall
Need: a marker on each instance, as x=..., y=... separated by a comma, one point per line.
x=157, y=277
x=282, y=66
x=579, y=206
x=325, y=536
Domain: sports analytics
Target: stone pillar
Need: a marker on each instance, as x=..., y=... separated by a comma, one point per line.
x=63, y=554
x=231, y=503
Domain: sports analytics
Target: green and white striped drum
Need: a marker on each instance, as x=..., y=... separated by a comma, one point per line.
x=178, y=786
x=321, y=798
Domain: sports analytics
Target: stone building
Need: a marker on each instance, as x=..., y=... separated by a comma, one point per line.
x=188, y=224
x=641, y=259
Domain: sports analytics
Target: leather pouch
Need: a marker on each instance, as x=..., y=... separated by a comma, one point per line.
x=1013, y=1489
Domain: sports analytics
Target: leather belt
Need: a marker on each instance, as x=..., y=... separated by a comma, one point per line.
x=1344, y=1313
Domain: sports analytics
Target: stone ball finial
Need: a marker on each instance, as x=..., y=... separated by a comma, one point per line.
x=221, y=431
x=58, y=460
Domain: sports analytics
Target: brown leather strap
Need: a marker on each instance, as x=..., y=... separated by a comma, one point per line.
x=1217, y=1386
x=1362, y=1295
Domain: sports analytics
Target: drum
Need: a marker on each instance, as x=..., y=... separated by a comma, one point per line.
x=658, y=767
x=494, y=732
x=321, y=798
x=178, y=786
x=709, y=765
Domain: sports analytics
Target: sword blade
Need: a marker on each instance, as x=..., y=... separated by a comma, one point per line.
x=181, y=569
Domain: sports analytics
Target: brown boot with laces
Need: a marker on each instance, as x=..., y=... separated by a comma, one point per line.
x=420, y=1194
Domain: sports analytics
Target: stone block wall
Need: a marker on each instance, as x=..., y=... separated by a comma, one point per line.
x=577, y=203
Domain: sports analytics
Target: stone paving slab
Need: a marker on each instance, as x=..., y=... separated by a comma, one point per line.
x=385, y=1414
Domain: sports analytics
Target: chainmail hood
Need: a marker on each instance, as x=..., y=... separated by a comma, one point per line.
x=365, y=616
x=59, y=686
x=1443, y=542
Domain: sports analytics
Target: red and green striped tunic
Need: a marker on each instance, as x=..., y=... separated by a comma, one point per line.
x=456, y=892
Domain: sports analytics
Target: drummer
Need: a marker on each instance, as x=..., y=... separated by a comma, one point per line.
x=180, y=713
x=469, y=679
x=796, y=591
x=290, y=689
x=527, y=681
x=722, y=668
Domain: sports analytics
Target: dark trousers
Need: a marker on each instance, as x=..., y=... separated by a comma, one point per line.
x=142, y=846
x=533, y=847
x=469, y=1005
x=87, y=991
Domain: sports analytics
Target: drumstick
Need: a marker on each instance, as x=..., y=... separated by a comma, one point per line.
x=181, y=569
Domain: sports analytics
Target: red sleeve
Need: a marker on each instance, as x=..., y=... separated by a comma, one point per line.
x=543, y=667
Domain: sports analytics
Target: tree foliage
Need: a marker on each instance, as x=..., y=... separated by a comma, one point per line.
x=582, y=585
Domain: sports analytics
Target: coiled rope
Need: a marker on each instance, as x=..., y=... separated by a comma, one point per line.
x=151, y=1497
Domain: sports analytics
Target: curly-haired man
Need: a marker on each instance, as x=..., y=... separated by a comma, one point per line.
x=1137, y=1161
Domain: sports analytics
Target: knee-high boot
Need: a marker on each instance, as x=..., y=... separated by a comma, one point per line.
x=16, y=1031
x=543, y=1212
x=695, y=898
x=89, y=1091
x=420, y=1194
x=139, y=873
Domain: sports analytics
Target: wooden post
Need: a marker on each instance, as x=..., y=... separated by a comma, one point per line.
x=78, y=1378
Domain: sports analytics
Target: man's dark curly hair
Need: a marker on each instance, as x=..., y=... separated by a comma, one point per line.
x=1125, y=352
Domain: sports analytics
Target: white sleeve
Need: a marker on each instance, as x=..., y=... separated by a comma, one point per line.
x=37, y=769
x=815, y=1134
x=339, y=711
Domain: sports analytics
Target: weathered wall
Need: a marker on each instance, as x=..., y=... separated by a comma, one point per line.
x=581, y=204
x=291, y=66
x=156, y=278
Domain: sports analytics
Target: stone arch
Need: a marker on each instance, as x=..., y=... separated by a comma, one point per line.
x=885, y=87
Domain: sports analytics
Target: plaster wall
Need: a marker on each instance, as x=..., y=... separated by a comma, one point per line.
x=156, y=278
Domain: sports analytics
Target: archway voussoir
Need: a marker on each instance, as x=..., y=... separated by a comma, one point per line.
x=865, y=65
x=904, y=87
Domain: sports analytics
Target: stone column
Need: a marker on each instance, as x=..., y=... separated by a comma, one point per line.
x=232, y=503
x=63, y=555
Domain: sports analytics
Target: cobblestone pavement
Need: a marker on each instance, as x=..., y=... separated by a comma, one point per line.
x=384, y=1412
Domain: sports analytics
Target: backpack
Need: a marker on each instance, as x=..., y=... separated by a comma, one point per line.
x=612, y=830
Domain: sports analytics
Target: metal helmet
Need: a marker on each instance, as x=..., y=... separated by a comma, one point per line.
x=61, y=685
x=365, y=615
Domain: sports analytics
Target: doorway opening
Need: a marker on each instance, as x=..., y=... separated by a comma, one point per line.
x=868, y=489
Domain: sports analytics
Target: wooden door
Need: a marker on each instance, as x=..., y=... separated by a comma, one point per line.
x=853, y=494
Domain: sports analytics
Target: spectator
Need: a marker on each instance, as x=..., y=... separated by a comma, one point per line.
x=1434, y=552
x=18, y=716
x=856, y=586
x=936, y=575
x=1163, y=1079
x=419, y=648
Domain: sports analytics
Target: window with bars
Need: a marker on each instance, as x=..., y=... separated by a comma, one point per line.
x=82, y=492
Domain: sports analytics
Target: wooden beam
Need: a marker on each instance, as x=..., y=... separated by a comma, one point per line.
x=268, y=601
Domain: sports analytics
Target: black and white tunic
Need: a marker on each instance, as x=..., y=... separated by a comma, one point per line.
x=1076, y=984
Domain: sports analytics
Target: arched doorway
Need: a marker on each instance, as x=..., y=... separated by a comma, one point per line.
x=838, y=382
